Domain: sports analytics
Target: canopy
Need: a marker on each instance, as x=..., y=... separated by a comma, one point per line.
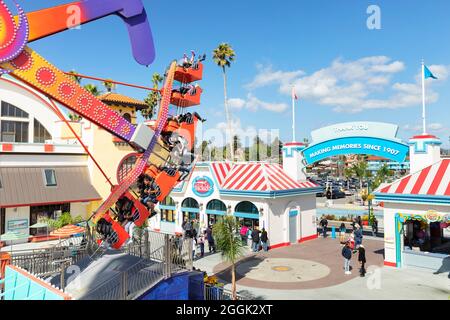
x=67, y=231
x=39, y=225
x=13, y=235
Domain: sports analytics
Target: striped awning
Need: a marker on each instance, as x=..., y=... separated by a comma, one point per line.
x=427, y=185
x=67, y=231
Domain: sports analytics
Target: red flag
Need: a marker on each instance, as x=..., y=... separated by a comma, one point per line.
x=294, y=95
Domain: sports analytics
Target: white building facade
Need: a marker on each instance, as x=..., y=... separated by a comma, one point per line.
x=257, y=194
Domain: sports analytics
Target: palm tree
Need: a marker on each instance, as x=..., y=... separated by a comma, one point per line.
x=360, y=170
x=228, y=241
x=382, y=173
x=75, y=78
x=93, y=89
x=153, y=97
x=223, y=55
x=109, y=86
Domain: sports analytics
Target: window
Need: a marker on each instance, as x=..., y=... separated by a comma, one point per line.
x=168, y=212
x=50, y=177
x=167, y=215
x=40, y=133
x=14, y=131
x=8, y=110
x=2, y=220
x=46, y=211
x=127, y=164
x=127, y=117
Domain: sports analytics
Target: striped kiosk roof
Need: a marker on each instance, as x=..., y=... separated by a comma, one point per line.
x=259, y=177
x=430, y=181
x=221, y=170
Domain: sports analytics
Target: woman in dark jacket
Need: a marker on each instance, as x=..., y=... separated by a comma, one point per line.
x=264, y=239
x=362, y=260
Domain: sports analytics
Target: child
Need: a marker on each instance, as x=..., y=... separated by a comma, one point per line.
x=201, y=241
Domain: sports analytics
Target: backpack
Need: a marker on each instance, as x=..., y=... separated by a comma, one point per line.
x=346, y=253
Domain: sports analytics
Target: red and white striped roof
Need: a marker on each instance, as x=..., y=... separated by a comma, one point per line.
x=430, y=181
x=255, y=176
x=221, y=170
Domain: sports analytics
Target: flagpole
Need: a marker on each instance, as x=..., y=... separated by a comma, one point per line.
x=293, y=114
x=424, y=124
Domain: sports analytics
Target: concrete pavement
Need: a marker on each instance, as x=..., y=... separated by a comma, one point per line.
x=273, y=275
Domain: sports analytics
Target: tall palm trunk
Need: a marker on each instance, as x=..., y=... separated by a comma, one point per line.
x=227, y=114
x=233, y=281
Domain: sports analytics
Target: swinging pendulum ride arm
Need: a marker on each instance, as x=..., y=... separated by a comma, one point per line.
x=34, y=70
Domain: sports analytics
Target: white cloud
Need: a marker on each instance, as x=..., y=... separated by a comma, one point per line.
x=236, y=103
x=353, y=86
x=253, y=103
x=434, y=127
x=267, y=76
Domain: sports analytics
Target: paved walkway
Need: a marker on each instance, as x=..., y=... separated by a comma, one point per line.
x=314, y=270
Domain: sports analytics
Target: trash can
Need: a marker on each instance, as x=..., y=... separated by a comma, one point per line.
x=333, y=232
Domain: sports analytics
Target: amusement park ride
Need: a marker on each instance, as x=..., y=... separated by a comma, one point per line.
x=165, y=148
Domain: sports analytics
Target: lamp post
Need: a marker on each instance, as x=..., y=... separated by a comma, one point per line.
x=369, y=202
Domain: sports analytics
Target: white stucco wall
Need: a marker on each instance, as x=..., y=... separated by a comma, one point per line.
x=274, y=216
x=79, y=209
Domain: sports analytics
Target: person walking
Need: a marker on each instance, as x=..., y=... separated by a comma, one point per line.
x=324, y=224
x=210, y=238
x=358, y=236
x=201, y=244
x=359, y=221
x=342, y=232
x=374, y=227
x=362, y=260
x=243, y=232
x=347, y=254
x=264, y=240
x=194, y=246
x=255, y=239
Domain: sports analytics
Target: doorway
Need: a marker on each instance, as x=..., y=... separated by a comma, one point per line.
x=293, y=225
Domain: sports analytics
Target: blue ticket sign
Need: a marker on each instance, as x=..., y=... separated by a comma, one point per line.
x=390, y=149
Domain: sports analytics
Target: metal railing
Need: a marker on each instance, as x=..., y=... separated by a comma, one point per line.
x=219, y=293
x=43, y=262
x=161, y=256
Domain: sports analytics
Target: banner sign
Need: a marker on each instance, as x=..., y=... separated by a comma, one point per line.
x=393, y=150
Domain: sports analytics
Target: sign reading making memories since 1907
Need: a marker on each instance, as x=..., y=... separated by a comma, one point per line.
x=372, y=138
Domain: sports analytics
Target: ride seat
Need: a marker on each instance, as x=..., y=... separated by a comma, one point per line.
x=187, y=75
x=186, y=100
x=122, y=235
x=140, y=211
x=166, y=181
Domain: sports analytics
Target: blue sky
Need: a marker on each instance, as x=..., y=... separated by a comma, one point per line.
x=342, y=70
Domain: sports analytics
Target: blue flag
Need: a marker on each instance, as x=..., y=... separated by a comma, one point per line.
x=428, y=73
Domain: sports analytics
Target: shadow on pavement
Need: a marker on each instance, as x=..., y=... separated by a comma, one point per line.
x=445, y=267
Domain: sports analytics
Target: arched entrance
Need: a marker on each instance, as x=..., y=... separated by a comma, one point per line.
x=190, y=209
x=247, y=213
x=215, y=209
